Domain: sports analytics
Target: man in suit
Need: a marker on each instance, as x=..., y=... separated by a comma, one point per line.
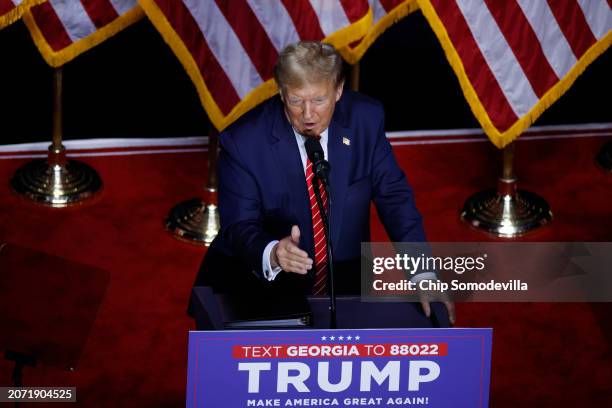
x=271, y=233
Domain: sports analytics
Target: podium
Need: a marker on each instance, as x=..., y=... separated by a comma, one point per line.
x=381, y=353
x=213, y=311
x=442, y=368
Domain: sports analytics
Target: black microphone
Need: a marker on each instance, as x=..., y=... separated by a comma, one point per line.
x=320, y=166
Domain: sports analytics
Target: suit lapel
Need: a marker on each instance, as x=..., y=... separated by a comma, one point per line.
x=286, y=151
x=340, y=162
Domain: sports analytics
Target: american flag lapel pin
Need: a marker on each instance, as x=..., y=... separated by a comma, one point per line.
x=346, y=141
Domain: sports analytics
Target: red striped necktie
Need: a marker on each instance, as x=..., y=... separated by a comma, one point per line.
x=319, y=235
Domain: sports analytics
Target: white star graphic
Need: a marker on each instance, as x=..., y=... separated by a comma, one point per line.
x=348, y=337
x=340, y=338
x=357, y=337
x=332, y=338
x=323, y=338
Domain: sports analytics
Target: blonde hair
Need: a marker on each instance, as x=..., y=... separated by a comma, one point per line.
x=308, y=62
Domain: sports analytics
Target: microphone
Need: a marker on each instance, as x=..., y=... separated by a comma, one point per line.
x=320, y=166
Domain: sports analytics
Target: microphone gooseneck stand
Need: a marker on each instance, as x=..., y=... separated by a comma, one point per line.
x=321, y=169
x=330, y=261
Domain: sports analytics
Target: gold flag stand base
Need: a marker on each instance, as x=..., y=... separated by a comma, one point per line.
x=506, y=215
x=195, y=220
x=56, y=182
x=604, y=157
x=506, y=212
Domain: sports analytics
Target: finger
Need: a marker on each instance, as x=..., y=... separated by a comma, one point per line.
x=296, y=251
x=450, y=306
x=292, y=252
x=296, y=268
x=295, y=234
x=288, y=248
x=300, y=263
x=426, y=307
x=290, y=263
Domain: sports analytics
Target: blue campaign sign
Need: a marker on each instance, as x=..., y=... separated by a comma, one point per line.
x=345, y=368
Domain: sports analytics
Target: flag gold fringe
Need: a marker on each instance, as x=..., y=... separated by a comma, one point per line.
x=16, y=13
x=353, y=32
x=353, y=55
x=59, y=58
x=264, y=91
x=502, y=138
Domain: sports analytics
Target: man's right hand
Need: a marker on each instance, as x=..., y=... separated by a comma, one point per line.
x=288, y=255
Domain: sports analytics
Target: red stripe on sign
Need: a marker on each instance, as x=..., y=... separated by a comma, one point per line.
x=51, y=26
x=6, y=6
x=216, y=80
x=524, y=44
x=355, y=9
x=339, y=350
x=305, y=19
x=251, y=34
x=573, y=24
x=389, y=5
x=476, y=68
x=101, y=12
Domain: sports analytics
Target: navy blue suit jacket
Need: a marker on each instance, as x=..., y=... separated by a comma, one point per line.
x=263, y=192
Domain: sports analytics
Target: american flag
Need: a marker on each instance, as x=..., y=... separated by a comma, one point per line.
x=12, y=10
x=229, y=47
x=63, y=29
x=515, y=58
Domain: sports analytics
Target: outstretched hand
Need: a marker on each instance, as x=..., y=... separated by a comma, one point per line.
x=288, y=255
x=426, y=297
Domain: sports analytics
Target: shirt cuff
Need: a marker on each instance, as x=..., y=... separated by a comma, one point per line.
x=268, y=272
x=424, y=275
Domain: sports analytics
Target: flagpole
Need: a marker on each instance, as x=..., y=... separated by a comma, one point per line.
x=506, y=212
x=56, y=138
x=56, y=182
x=197, y=220
x=355, y=76
x=604, y=157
